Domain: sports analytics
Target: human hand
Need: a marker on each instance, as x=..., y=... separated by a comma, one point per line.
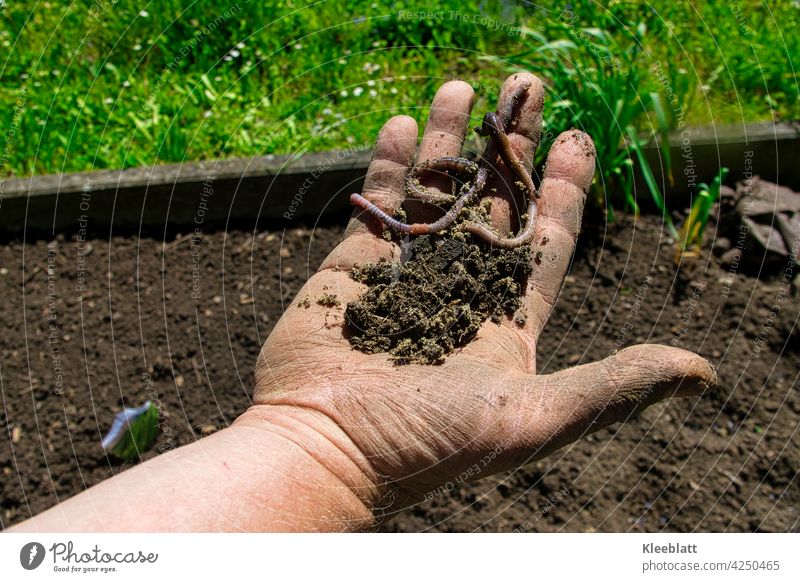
x=404, y=431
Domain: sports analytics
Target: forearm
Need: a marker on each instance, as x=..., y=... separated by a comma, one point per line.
x=274, y=469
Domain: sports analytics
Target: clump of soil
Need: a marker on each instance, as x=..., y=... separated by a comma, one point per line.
x=328, y=300
x=424, y=307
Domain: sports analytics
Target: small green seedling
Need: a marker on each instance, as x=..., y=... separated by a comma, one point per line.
x=133, y=431
x=691, y=235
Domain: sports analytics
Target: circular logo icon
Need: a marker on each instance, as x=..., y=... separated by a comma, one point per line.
x=31, y=555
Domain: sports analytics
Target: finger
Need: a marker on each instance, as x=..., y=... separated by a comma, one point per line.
x=544, y=413
x=391, y=159
x=567, y=177
x=523, y=134
x=383, y=186
x=593, y=396
x=444, y=135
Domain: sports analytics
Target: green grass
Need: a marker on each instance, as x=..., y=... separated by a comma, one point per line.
x=92, y=85
x=595, y=82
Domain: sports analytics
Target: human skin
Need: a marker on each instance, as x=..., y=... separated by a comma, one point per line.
x=336, y=439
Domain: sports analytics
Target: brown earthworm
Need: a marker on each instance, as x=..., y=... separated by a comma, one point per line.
x=523, y=237
x=494, y=126
x=446, y=164
x=423, y=227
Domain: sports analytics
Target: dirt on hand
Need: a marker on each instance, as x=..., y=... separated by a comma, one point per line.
x=421, y=309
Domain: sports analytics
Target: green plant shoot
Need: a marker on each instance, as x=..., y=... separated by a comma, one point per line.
x=695, y=224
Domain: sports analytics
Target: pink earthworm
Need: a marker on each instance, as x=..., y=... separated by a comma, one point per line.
x=495, y=126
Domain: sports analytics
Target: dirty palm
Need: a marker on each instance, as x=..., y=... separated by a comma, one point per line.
x=457, y=263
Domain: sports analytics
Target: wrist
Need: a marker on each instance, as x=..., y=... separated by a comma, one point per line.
x=316, y=469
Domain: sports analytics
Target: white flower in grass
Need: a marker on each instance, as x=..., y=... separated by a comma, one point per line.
x=358, y=91
x=108, y=100
x=370, y=68
x=370, y=83
x=207, y=114
x=144, y=14
x=343, y=93
x=373, y=93
x=240, y=45
x=327, y=111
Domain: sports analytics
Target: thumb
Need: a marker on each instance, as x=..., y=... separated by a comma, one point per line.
x=590, y=397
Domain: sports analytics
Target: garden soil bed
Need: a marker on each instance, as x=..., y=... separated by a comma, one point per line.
x=182, y=322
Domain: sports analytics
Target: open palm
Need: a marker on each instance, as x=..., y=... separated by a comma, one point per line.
x=484, y=409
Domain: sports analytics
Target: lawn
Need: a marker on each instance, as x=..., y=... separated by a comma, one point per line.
x=104, y=84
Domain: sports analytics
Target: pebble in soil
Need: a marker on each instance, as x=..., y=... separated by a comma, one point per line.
x=422, y=309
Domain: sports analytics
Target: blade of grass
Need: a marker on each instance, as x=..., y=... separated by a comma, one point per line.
x=663, y=130
x=650, y=180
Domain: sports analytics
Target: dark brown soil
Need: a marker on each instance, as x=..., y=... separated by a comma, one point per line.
x=182, y=322
x=437, y=297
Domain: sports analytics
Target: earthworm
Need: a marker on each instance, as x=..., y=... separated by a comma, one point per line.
x=445, y=164
x=506, y=111
x=449, y=217
x=419, y=228
x=494, y=126
x=523, y=237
